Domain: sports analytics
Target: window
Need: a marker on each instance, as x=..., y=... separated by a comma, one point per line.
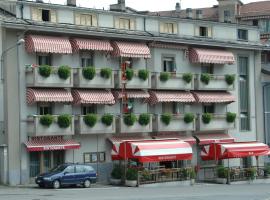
x=89, y=109
x=102, y=157
x=255, y=22
x=172, y=107
x=242, y=34
x=168, y=64
x=94, y=157
x=209, y=108
x=85, y=19
x=170, y=28
x=124, y=23
x=207, y=68
x=265, y=58
x=244, y=94
x=45, y=109
x=80, y=169
x=130, y=105
x=44, y=59
x=203, y=31
x=246, y=162
x=70, y=169
x=87, y=59
x=46, y=15
x=227, y=16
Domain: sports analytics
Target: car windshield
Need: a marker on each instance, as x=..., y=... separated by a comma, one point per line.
x=59, y=168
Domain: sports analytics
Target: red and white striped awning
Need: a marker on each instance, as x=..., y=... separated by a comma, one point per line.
x=51, y=144
x=47, y=44
x=170, y=96
x=133, y=94
x=131, y=50
x=213, y=97
x=175, y=136
x=48, y=95
x=197, y=55
x=84, y=96
x=205, y=139
x=90, y=44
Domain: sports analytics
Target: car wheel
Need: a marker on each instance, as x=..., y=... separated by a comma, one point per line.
x=56, y=184
x=87, y=183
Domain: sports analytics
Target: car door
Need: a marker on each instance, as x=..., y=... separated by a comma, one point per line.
x=68, y=177
x=80, y=174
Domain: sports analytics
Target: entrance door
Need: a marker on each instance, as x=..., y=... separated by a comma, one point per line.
x=34, y=164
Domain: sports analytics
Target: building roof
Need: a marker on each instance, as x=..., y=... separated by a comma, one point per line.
x=255, y=9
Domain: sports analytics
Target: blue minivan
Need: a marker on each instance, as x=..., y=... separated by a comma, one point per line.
x=66, y=175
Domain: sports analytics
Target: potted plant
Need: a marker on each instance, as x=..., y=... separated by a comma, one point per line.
x=230, y=117
x=251, y=174
x=222, y=175
x=143, y=74
x=189, y=117
x=129, y=73
x=64, y=121
x=45, y=71
x=266, y=171
x=46, y=120
x=130, y=119
x=192, y=175
x=116, y=175
x=166, y=118
x=187, y=77
x=107, y=119
x=206, y=118
x=106, y=73
x=90, y=120
x=205, y=78
x=164, y=76
x=229, y=78
x=131, y=177
x=144, y=119
x=64, y=72
x=89, y=72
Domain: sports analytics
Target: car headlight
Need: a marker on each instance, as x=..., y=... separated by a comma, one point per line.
x=47, y=178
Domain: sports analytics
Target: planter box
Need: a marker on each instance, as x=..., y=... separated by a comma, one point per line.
x=115, y=181
x=218, y=122
x=99, y=128
x=36, y=129
x=136, y=128
x=34, y=79
x=176, y=82
x=221, y=180
x=216, y=83
x=96, y=82
x=131, y=183
x=135, y=82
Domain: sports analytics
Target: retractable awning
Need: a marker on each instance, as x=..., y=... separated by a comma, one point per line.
x=47, y=44
x=90, y=44
x=210, y=138
x=213, y=97
x=48, y=95
x=197, y=55
x=134, y=94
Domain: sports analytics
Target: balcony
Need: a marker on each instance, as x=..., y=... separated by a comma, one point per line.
x=98, y=128
x=136, y=81
x=136, y=127
x=218, y=122
x=35, y=128
x=175, y=81
x=216, y=82
x=177, y=123
x=35, y=79
x=96, y=82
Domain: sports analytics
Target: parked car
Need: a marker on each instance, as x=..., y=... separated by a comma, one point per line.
x=66, y=175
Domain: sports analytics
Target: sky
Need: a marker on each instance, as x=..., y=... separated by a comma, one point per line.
x=151, y=5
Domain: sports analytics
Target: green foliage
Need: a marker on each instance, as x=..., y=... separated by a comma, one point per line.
x=106, y=73
x=230, y=117
x=64, y=72
x=90, y=120
x=267, y=170
x=189, y=117
x=166, y=118
x=64, y=121
x=117, y=172
x=45, y=70
x=144, y=119
x=129, y=73
x=187, y=77
x=164, y=76
x=89, y=72
x=143, y=74
x=251, y=173
x=46, y=120
x=146, y=176
x=230, y=78
x=206, y=118
x=107, y=119
x=222, y=172
x=205, y=78
x=130, y=119
x=192, y=174
x=131, y=174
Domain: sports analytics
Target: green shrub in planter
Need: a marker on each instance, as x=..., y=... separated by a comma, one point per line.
x=107, y=119
x=189, y=117
x=106, y=73
x=129, y=73
x=164, y=76
x=192, y=174
x=90, y=120
x=230, y=117
x=205, y=78
x=266, y=170
x=130, y=119
x=89, y=73
x=45, y=70
x=144, y=119
x=64, y=121
x=206, y=118
x=143, y=74
x=187, y=77
x=132, y=174
x=166, y=118
x=229, y=78
x=64, y=72
x=46, y=120
x=117, y=172
x=222, y=172
x=251, y=173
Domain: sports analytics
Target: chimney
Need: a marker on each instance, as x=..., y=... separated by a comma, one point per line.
x=71, y=3
x=177, y=7
x=120, y=6
x=199, y=14
x=189, y=13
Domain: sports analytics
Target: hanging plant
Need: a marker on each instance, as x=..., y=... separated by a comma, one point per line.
x=107, y=119
x=189, y=117
x=143, y=74
x=106, y=73
x=205, y=78
x=64, y=121
x=229, y=78
x=164, y=76
x=130, y=119
x=187, y=77
x=89, y=72
x=166, y=118
x=230, y=117
x=90, y=120
x=129, y=73
x=64, y=72
x=45, y=70
x=144, y=119
x=206, y=118
x=46, y=120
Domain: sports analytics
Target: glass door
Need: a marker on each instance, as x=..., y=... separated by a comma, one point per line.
x=34, y=164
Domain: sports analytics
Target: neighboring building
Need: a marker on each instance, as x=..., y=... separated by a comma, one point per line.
x=59, y=35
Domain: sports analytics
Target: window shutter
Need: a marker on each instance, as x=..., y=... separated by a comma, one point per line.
x=53, y=16
x=34, y=14
x=77, y=18
x=209, y=31
x=175, y=28
x=116, y=22
x=94, y=20
x=197, y=31
x=88, y=20
x=132, y=24
x=161, y=27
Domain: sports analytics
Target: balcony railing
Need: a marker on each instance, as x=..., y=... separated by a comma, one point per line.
x=98, y=128
x=216, y=82
x=218, y=122
x=97, y=82
x=174, y=82
x=35, y=128
x=136, y=127
x=136, y=82
x=177, y=123
x=34, y=79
